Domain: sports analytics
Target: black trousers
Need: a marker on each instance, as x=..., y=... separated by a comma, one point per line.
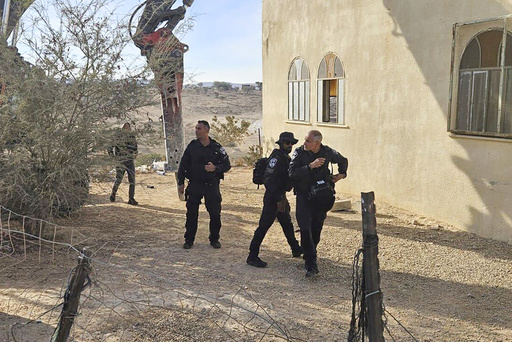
x=310, y=221
x=127, y=166
x=268, y=216
x=212, y=200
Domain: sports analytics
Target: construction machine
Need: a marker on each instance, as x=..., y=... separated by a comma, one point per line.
x=164, y=54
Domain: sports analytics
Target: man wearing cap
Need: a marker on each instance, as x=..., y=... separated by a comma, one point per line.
x=309, y=171
x=275, y=205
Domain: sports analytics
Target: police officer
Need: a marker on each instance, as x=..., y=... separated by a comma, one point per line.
x=125, y=150
x=275, y=204
x=309, y=167
x=204, y=163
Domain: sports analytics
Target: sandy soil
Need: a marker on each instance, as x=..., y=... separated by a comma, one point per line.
x=441, y=284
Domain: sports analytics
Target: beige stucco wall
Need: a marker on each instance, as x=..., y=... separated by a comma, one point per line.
x=397, y=56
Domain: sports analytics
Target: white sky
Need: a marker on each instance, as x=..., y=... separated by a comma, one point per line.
x=225, y=43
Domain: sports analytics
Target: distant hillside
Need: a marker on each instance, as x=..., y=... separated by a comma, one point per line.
x=210, y=84
x=205, y=103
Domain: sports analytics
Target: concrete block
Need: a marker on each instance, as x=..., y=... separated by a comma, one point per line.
x=341, y=205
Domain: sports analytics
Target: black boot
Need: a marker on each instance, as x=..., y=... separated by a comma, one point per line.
x=215, y=244
x=255, y=261
x=311, y=269
x=113, y=197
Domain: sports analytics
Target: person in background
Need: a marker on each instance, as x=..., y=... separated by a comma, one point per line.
x=124, y=149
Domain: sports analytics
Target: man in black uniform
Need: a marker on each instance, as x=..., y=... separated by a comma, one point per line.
x=275, y=204
x=125, y=150
x=309, y=170
x=203, y=164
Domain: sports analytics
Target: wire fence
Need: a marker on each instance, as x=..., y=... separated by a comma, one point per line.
x=118, y=302
x=359, y=320
x=125, y=301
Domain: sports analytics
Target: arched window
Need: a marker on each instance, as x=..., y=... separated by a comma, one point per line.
x=331, y=79
x=298, y=91
x=483, y=79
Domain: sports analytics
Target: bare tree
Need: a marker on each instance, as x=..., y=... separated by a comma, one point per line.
x=57, y=112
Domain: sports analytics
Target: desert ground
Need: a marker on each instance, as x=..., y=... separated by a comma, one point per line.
x=440, y=283
x=201, y=105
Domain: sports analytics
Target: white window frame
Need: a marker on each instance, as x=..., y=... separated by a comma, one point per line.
x=298, y=91
x=339, y=118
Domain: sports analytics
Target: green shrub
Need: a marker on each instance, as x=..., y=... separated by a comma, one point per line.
x=231, y=132
x=255, y=153
x=226, y=86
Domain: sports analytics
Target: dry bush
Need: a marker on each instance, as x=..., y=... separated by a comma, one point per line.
x=255, y=152
x=57, y=113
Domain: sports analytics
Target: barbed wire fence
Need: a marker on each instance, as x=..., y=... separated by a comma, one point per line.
x=117, y=302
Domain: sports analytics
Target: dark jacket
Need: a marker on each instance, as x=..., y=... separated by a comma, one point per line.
x=303, y=177
x=276, y=178
x=196, y=156
x=124, y=146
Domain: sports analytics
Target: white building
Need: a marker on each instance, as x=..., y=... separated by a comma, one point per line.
x=416, y=94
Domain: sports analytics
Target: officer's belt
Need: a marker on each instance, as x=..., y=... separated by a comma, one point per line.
x=209, y=183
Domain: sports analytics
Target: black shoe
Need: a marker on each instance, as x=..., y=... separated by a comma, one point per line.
x=311, y=271
x=255, y=261
x=188, y=245
x=297, y=251
x=215, y=244
x=132, y=201
x=112, y=198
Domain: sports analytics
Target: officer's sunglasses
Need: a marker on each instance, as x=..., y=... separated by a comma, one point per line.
x=287, y=142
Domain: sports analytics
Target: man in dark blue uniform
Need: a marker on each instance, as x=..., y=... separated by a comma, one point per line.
x=309, y=171
x=125, y=150
x=204, y=163
x=275, y=204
